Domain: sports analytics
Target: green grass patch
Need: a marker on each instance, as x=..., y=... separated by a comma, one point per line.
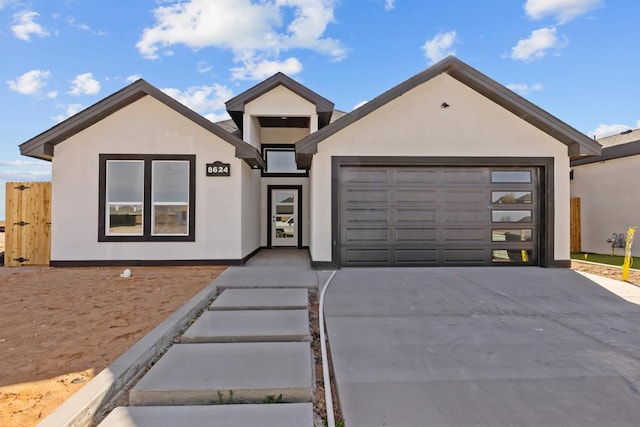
x=616, y=260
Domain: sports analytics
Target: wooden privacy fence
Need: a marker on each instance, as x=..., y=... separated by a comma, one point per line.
x=576, y=236
x=27, y=223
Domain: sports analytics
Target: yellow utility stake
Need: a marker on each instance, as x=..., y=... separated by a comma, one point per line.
x=627, y=254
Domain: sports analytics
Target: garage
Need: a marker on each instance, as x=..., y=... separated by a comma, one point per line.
x=438, y=215
x=448, y=168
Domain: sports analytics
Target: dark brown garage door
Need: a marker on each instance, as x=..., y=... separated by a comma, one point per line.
x=433, y=215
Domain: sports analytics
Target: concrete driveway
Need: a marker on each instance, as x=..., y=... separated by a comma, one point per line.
x=482, y=347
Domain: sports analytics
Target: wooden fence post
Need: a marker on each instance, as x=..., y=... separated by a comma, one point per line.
x=576, y=236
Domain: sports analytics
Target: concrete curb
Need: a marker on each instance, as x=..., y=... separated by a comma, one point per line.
x=82, y=407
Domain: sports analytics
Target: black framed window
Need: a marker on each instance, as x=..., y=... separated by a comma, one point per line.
x=280, y=160
x=146, y=198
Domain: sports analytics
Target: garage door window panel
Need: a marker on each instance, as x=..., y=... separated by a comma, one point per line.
x=511, y=216
x=511, y=197
x=515, y=235
x=511, y=176
x=513, y=256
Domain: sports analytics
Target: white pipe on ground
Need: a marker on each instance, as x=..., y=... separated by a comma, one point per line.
x=331, y=421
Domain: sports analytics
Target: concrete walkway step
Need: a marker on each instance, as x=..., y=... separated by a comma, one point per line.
x=261, y=299
x=200, y=374
x=268, y=277
x=276, y=415
x=249, y=326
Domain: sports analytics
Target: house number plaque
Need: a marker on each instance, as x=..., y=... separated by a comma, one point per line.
x=218, y=169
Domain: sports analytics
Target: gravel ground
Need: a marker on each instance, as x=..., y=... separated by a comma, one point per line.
x=606, y=271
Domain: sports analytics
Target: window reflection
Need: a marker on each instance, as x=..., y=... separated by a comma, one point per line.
x=284, y=198
x=125, y=219
x=170, y=194
x=285, y=227
x=281, y=160
x=521, y=256
x=170, y=219
x=284, y=209
x=517, y=235
x=124, y=197
x=511, y=197
x=510, y=216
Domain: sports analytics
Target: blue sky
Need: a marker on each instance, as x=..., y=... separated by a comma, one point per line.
x=577, y=59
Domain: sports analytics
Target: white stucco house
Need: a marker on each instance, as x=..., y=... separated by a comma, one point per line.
x=605, y=185
x=447, y=168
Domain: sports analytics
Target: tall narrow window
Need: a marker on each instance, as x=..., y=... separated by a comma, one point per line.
x=170, y=197
x=125, y=197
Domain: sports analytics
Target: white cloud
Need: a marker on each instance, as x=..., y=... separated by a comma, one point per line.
x=24, y=170
x=85, y=84
x=308, y=27
x=255, y=31
x=24, y=25
x=524, y=88
x=607, y=130
x=20, y=163
x=204, y=67
x=232, y=24
x=71, y=21
x=70, y=110
x=25, y=175
x=30, y=82
x=562, y=10
x=217, y=117
x=251, y=70
x=440, y=46
x=389, y=4
x=359, y=104
x=133, y=77
x=206, y=100
x=637, y=124
x=537, y=44
x=52, y=94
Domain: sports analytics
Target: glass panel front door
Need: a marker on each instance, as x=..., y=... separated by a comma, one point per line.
x=284, y=217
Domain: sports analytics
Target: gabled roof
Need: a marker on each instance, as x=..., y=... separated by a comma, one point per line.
x=41, y=146
x=612, y=152
x=578, y=143
x=235, y=106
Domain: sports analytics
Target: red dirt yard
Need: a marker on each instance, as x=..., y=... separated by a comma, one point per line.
x=60, y=327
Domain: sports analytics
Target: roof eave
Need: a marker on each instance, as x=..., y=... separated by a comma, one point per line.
x=42, y=146
x=610, y=153
x=303, y=161
x=251, y=156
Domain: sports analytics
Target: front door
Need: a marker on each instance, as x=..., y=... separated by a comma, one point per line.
x=284, y=217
